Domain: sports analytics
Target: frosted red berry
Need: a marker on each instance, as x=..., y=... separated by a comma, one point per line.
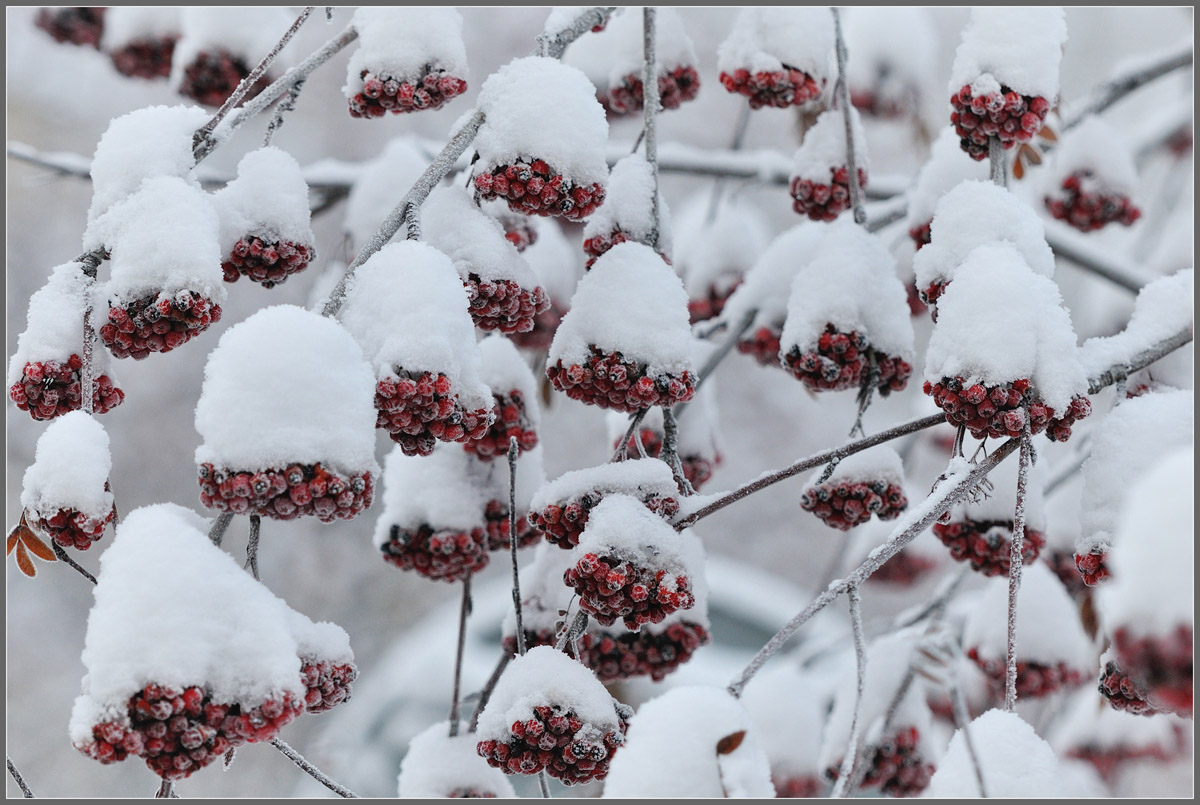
x=382, y=93
x=822, y=201
x=878, y=105
x=503, y=304
x=896, y=766
x=48, y=389
x=844, y=361
x=442, y=555
x=696, y=468
x=674, y=88
x=75, y=26
x=511, y=422
x=904, y=569
x=158, y=322
x=921, y=234
x=1034, y=679
x=145, y=58
x=518, y=230
x=556, y=740
x=801, y=787
x=1000, y=410
x=712, y=301
x=70, y=528
x=495, y=516
x=1063, y=565
x=1122, y=692
x=419, y=408
x=534, y=187
x=774, y=88
x=987, y=544
x=265, y=261
x=763, y=345
x=1086, y=204
x=1006, y=115
x=212, y=77
x=642, y=653
x=610, y=588
x=608, y=380
x=541, y=336
x=326, y=684
x=563, y=522
x=1093, y=566
x=1159, y=665
x=597, y=245
x=285, y=493
x=844, y=504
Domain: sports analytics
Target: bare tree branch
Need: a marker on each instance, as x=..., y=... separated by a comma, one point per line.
x=1014, y=567
x=455, y=697
x=1119, y=86
x=1139, y=361
x=843, y=96
x=16, y=775
x=842, y=787
x=312, y=770
x=66, y=559
x=650, y=106
x=513, y=449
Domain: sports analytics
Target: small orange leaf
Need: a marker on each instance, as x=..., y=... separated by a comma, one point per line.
x=1018, y=168
x=1047, y=133
x=730, y=742
x=1033, y=155
x=24, y=563
x=14, y=536
x=38, y=548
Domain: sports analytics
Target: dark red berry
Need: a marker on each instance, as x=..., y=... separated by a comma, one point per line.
x=674, y=88
x=213, y=76
x=897, y=766
x=145, y=58
x=75, y=26
x=1087, y=205
x=158, y=322
x=824, y=202
x=844, y=361
x=845, y=504
x=558, y=194
x=439, y=555
x=286, y=493
x=779, y=89
x=266, y=262
x=987, y=544
x=608, y=380
x=48, y=389
x=1007, y=115
x=382, y=93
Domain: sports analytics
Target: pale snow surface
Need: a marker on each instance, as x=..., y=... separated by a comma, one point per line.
x=437, y=765
x=717, y=253
x=895, y=47
x=70, y=468
x=319, y=641
x=948, y=166
x=1013, y=760
x=998, y=322
x=245, y=32
x=630, y=302
x=1090, y=721
x=380, y=185
x=768, y=283
x=625, y=45
x=403, y=42
x=620, y=526
x=1163, y=308
x=554, y=260
x=267, y=199
x=328, y=414
x=591, y=53
x=125, y=25
x=472, y=239
x=636, y=477
x=824, y=147
x=629, y=203
x=54, y=322
x=1018, y=47
x=789, y=707
x=1096, y=146
x=880, y=463
x=671, y=749
x=539, y=108
x=442, y=490
x=771, y=38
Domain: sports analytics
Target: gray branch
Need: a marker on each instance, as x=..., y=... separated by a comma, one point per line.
x=1139, y=361
x=1015, y=559
x=843, y=788
x=312, y=770
x=16, y=775
x=650, y=106
x=1119, y=86
x=843, y=98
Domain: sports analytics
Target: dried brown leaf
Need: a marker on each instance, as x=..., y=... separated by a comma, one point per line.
x=38, y=548
x=24, y=563
x=730, y=742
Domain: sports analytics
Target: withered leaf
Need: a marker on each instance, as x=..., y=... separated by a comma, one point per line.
x=730, y=742
x=14, y=536
x=24, y=563
x=1047, y=133
x=38, y=548
x=1018, y=168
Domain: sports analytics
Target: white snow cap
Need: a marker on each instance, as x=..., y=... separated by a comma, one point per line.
x=452, y=224
x=145, y=626
x=1163, y=308
x=561, y=18
x=407, y=308
x=1096, y=146
x=287, y=386
x=319, y=641
x=947, y=167
x=768, y=283
x=974, y=214
x=403, y=42
x=768, y=39
x=591, y=54
x=789, y=707
x=639, y=478
x=851, y=283
x=245, y=32
x=633, y=303
x=437, y=765
x=716, y=254
x=1001, y=502
x=1152, y=585
x=1126, y=444
x=268, y=199
x=620, y=526
x=504, y=370
x=673, y=749
x=443, y=490
x=380, y=185
x=155, y=141
x=628, y=205
x=1013, y=760
x=1020, y=48
x=877, y=464
x=998, y=321
x=70, y=468
x=164, y=238
x=54, y=322
x=625, y=44
x=539, y=108
x=125, y=25
x=1050, y=631
x=545, y=677
x=554, y=260
x=823, y=149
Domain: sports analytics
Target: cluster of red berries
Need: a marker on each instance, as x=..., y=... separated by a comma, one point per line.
x=213, y=76
x=877, y=105
x=381, y=93
x=48, y=389
x=1093, y=566
x=495, y=516
x=285, y=494
x=1034, y=679
x=1063, y=565
x=545, y=324
x=73, y=529
x=534, y=188
x=846, y=504
x=439, y=555
x=611, y=588
x=824, y=202
x=418, y=408
x=75, y=26
x=178, y=732
x=678, y=85
x=998, y=411
x=1161, y=666
x=145, y=58
x=845, y=361
x=904, y=569
x=512, y=420
x=158, y=322
x=696, y=469
x=563, y=522
x=327, y=684
x=797, y=787
x=987, y=544
x=1006, y=115
x=265, y=261
x=777, y=88
x=1090, y=209
x=552, y=740
x=712, y=303
x=922, y=234
x=607, y=380
x=599, y=244
x=931, y=294
x=503, y=304
x=896, y=766
x=763, y=345
x=1123, y=693
x=641, y=653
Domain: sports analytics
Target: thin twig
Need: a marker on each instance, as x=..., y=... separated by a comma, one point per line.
x=843, y=97
x=455, y=697
x=1073, y=246
x=937, y=606
x=87, y=372
x=623, y=445
x=166, y=790
x=219, y=526
x=962, y=718
x=1140, y=361
x=572, y=633
x=312, y=770
x=252, y=545
x=16, y=775
x=670, y=452
x=650, y=107
x=512, y=539
x=1118, y=87
x=718, y=190
x=1014, y=567
x=544, y=784
x=841, y=788
x=65, y=558
x=486, y=693
x=286, y=105
x=1065, y=474
x=997, y=162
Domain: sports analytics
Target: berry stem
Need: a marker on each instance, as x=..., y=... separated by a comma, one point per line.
x=843, y=98
x=87, y=372
x=650, y=108
x=962, y=720
x=513, y=449
x=66, y=559
x=456, y=695
x=312, y=770
x=1140, y=361
x=573, y=632
x=997, y=162
x=166, y=790
x=252, y=546
x=285, y=106
x=955, y=487
x=16, y=775
x=219, y=526
x=631, y=433
x=842, y=788
x=670, y=451
x=544, y=784
x=1065, y=474
x=486, y=692
x=1014, y=567
x=1117, y=87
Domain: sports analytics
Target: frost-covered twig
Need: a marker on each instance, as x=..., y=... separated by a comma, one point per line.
x=1119, y=86
x=553, y=44
x=842, y=90
x=572, y=633
x=842, y=787
x=16, y=775
x=166, y=790
x=66, y=559
x=1065, y=474
x=670, y=451
x=634, y=421
x=252, y=545
x=962, y=720
x=997, y=162
x=913, y=523
x=513, y=449
x=763, y=481
x=217, y=532
x=486, y=692
x=544, y=784
x=312, y=770
x=286, y=105
x=1014, y=566
x=885, y=213
x=937, y=606
x=1139, y=361
x=1074, y=246
x=650, y=108
x=456, y=695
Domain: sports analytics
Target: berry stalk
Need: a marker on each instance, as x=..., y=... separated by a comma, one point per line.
x=513, y=450
x=1014, y=568
x=313, y=771
x=252, y=545
x=650, y=112
x=1117, y=87
x=64, y=557
x=16, y=775
x=843, y=99
x=455, y=697
x=842, y=788
x=962, y=721
x=166, y=790
x=998, y=165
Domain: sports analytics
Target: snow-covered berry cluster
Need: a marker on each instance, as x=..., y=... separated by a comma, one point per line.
x=710, y=305
x=327, y=684
x=443, y=555
x=286, y=493
x=674, y=88
x=697, y=469
x=608, y=380
x=533, y=187
x=563, y=522
x=495, y=514
x=544, y=326
x=48, y=389
x=158, y=322
x=844, y=504
x=987, y=544
x=844, y=361
x=655, y=654
x=556, y=740
x=1087, y=205
x=73, y=529
x=383, y=93
x=1161, y=665
x=1006, y=115
x=822, y=201
x=213, y=75
x=75, y=26
x=1034, y=679
x=1092, y=566
x=774, y=88
x=599, y=244
x=610, y=587
x=896, y=766
x=762, y=344
x=519, y=230
x=500, y=304
x=266, y=262
x=511, y=421
x=1122, y=692
x=145, y=58
x=418, y=408
x=1000, y=410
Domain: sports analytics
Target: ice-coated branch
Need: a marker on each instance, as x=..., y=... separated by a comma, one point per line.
x=623, y=445
x=66, y=559
x=166, y=790
x=252, y=545
x=843, y=98
x=16, y=775
x=650, y=106
x=205, y=132
x=842, y=788
x=486, y=692
x=513, y=449
x=87, y=371
x=670, y=451
x=1117, y=87
x=219, y=526
x=554, y=44
x=951, y=490
x=997, y=162
x=1014, y=567
x=456, y=695
x=313, y=771
x=813, y=461
x=1141, y=360
x=962, y=720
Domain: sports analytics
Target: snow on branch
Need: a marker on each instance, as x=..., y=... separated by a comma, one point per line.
x=312, y=770
x=1140, y=360
x=1120, y=85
